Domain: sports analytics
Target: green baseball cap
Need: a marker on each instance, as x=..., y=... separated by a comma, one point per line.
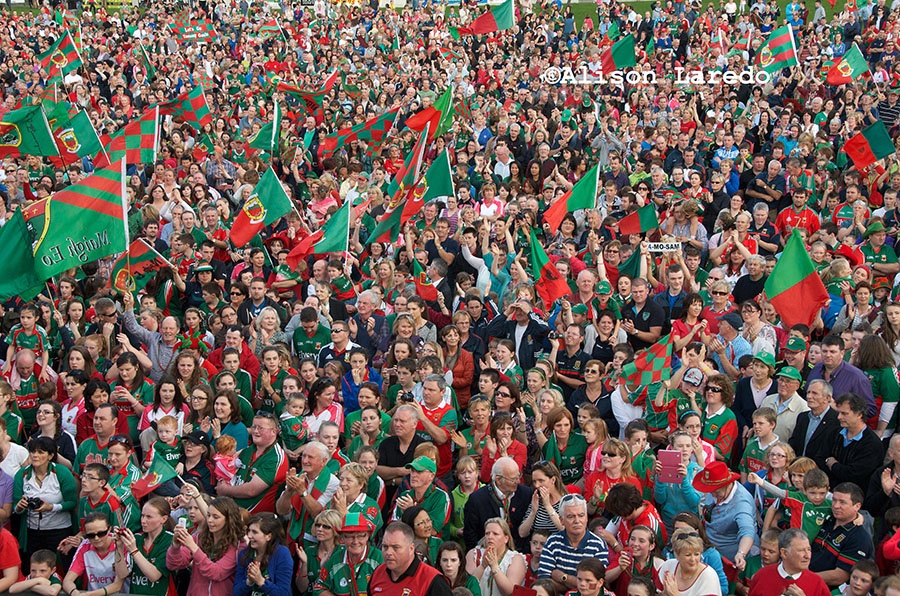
x=422, y=464
x=766, y=358
x=604, y=287
x=874, y=229
x=795, y=344
x=790, y=372
x=579, y=309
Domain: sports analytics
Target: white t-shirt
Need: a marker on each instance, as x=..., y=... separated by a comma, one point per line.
x=14, y=460
x=706, y=584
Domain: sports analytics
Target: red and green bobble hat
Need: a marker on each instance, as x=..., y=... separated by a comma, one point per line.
x=357, y=522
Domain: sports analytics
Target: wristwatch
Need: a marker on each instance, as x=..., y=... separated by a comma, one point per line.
x=304, y=493
x=565, y=577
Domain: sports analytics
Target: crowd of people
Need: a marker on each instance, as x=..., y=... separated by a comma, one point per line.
x=415, y=415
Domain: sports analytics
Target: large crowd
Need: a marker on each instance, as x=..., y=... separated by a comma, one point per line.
x=413, y=416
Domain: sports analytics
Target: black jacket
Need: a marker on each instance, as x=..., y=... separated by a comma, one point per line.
x=822, y=440
x=532, y=340
x=484, y=504
x=877, y=502
x=857, y=461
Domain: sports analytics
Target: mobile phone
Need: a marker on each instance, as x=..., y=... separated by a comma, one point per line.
x=671, y=461
x=182, y=521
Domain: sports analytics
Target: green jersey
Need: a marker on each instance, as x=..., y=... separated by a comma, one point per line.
x=570, y=461
x=341, y=578
x=156, y=554
x=294, y=431
x=308, y=346
x=754, y=458
x=801, y=513
x=355, y=417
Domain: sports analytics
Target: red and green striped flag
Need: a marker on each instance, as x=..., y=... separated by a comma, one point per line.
x=75, y=138
x=197, y=30
x=778, y=52
x=743, y=42
x=582, y=196
x=640, y=221
x=62, y=56
x=136, y=267
x=448, y=54
x=408, y=174
x=650, y=365
x=850, y=67
x=26, y=132
x=620, y=55
x=795, y=288
x=136, y=142
x=66, y=19
x=267, y=203
x=269, y=28
x=424, y=287
x=499, y=18
x=85, y=222
x=371, y=132
x=190, y=107
x=871, y=144
x=409, y=193
x=548, y=282
x=438, y=116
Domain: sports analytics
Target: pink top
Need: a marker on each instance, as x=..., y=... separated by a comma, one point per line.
x=208, y=578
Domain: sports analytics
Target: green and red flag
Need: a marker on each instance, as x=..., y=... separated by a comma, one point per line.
x=743, y=42
x=62, y=56
x=19, y=277
x=620, y=55
x=145, y=60
x=67, y=19
x=26, y=132
x=266, y=204
x=157, y=474
x=371, y=132
x=408, y=174
x=331, y=80
x=190, y=107
x=136, y=267
x=640, y=221
x=871, y=144
x=779, y=51
x=312, y=100
x=855, y=5
x=613, y=32
x=850, y=67
x=135, y=142
x=548, y=282
x=448, y=54
x=424, y=287
x=85, y=222
x=439, y=116
x=269, y=136
x=499, y=18
x=270, y=27
x=650, y=365
x=75, y=138
x=581, y=196
x=334, y=236
x=795, y=288
x=197, y=30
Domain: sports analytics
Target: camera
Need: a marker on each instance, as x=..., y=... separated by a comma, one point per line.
x=553, y=335
x=34, y=502
x=406, y=396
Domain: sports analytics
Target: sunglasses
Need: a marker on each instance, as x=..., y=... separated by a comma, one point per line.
x=93, y=535
x=719, y=293
x=714, y=389
x=120, y=440
x=503, y=394
x=609, y=453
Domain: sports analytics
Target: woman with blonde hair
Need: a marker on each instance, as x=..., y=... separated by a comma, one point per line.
x=266, y=331
x=326, y=527
x=686, y=574
x=615, y=467
x=495, y=563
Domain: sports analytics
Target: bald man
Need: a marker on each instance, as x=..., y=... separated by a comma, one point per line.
x=162, y=346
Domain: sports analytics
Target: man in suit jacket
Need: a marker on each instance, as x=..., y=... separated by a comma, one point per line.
x=857, y=452
x=526, y=330
x=437, y=272
x=504, y=497
x=817, y=443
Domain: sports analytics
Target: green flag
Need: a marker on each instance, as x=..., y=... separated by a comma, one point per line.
x=19, y=277
x=335, y=232
x=778, y=52
x=267, y=203
x=794, y=288
x=438, y=179
x=26, y=132
x=268, y=137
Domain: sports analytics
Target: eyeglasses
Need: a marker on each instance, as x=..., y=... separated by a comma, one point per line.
x=714, y=389
x=94, y=535
x=111, y=315
x=94, y=478
x=200, y=398
x=778, y=455
x=333, y=331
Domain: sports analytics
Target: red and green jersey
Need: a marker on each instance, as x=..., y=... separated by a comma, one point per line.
x=271, y=465
x=156, y=554
x=308, y=346
x=799, y=512
x=35, y=340
x=142, y=393
x=108, y=504
x=643, y=464
x=266, y=399
x=294, y=431
x=343, y=288
x=27, y=400
x=340, y=577
x=720, y=430
x=754, y=458
x=445, y=418
x=14, y=425
x=885, y=255
x=843, y=215
x=89, y=447
x=666, y=416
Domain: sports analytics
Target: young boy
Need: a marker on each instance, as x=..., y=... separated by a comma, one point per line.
x=754, y=459
x=406, y=377
x=488, y=381
x=42, y=579
x=862, y=579
x=806, y=510
x=768, y=555
x=294, y=430
x=26, y=335
x=340, y=283
x=97, y=496
x=167, y=445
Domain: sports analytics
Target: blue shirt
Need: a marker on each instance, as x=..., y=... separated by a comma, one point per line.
x=814, y=422
x=846, y=378
x=559, y=553
x=730, y=521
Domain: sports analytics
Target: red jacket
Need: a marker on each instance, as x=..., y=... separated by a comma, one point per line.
x=249, y=362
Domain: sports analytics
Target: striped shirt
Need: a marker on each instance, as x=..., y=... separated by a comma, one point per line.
x=559, y=554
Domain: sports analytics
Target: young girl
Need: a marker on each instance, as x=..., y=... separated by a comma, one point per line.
x=467, y=474
x=131, y=392
x=167, y=401
x=265, y=565
x=194, y=335
x=225, y=458
x=595, y=434
x=506, y=362
x=27, y=335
